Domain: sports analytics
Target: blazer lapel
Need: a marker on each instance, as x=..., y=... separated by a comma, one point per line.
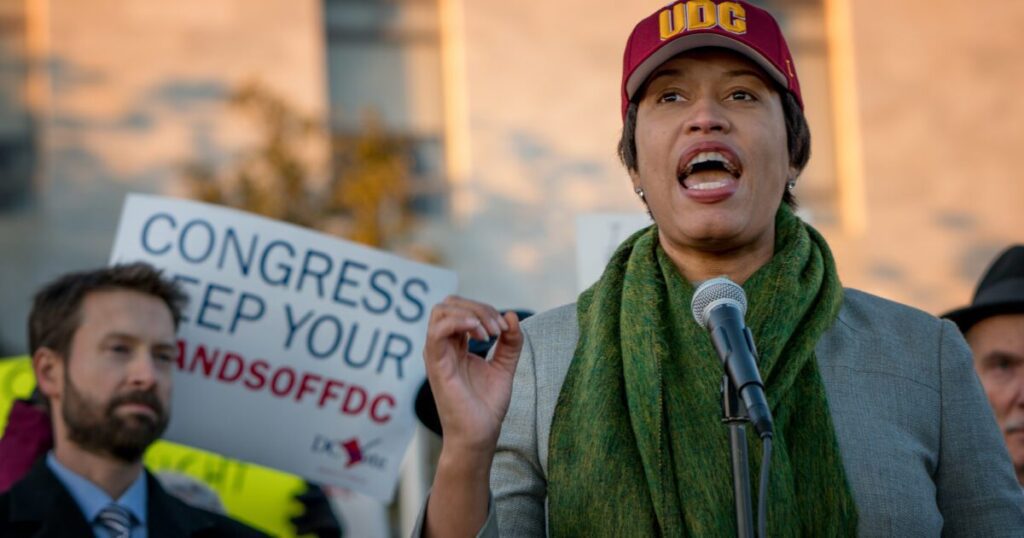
x=169, y=517
x=42, y=500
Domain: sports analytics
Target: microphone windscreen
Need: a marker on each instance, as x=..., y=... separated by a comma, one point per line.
x=713, y=292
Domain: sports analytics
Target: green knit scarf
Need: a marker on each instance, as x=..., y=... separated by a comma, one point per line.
x=637, y=445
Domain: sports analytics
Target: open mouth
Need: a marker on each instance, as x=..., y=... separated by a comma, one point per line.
x=708, y=170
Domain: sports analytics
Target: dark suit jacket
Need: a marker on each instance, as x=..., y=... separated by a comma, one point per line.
x=40, y=506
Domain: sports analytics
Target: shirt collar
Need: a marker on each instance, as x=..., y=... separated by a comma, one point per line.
x=91, y=499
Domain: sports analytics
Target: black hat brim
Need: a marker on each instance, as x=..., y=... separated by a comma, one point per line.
x=967, y=317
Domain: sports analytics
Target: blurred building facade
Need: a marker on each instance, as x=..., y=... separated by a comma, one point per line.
x=113, y=97
x=511, y=114
x=511, y=110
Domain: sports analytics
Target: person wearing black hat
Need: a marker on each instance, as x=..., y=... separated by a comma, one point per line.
x=994, y=327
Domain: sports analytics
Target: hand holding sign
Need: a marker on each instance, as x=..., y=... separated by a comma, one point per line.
x=472, y=396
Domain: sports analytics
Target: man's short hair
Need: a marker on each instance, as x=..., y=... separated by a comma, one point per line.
x=56, y=308
x=798, y=136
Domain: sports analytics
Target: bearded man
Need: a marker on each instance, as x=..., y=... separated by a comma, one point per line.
x=103, y=351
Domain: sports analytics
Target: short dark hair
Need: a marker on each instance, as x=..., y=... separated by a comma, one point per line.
x=798, y=136
x=56, y=308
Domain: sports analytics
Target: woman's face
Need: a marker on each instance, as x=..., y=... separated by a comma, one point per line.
x=711, y=148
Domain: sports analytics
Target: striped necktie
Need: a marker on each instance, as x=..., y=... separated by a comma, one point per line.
x=116, y=520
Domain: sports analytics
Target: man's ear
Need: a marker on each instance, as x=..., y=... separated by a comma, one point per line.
x=49, y=366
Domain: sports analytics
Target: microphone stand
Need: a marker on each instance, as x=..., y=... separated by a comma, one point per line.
x=734, y=415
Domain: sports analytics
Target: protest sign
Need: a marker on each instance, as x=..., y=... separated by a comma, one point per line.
x=597, y=237
x=298, y=351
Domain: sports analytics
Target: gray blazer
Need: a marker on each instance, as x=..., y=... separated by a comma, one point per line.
x=919, y=444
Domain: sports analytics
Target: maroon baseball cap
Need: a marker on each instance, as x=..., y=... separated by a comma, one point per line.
x=681, y=26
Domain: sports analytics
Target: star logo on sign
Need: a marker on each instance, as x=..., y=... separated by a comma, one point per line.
x=355, y=451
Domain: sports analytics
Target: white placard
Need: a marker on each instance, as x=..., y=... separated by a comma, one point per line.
x=298, y=351
x=597, y=237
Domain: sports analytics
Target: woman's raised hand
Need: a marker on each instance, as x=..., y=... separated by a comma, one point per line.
x=472, y=394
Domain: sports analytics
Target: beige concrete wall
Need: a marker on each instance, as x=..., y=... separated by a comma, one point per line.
x=13, y=118
x=140, y=85
x=133, y=90
x=542, y=122
x=943, y=131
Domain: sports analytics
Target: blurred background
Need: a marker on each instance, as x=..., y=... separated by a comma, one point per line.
x=471, y=134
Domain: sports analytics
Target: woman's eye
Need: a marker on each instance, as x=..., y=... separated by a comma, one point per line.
x=120, y=348
x=741, y=95
x=670, y=97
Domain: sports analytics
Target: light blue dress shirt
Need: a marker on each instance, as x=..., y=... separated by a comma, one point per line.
x=91, y=499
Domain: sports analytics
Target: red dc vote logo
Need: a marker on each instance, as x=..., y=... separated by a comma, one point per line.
x=352, y=450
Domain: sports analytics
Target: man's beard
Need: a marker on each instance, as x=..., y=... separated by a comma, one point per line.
x=108, y=433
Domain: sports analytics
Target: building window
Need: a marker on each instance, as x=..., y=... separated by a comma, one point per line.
x=384, y=70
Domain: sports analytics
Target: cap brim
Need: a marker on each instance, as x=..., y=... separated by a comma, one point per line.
x=696, y=41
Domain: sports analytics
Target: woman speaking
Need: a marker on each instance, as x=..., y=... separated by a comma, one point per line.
x=603, y=418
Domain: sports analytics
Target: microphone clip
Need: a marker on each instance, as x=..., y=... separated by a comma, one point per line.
x=734, y=411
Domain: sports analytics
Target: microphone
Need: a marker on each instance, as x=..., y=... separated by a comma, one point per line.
x=719, y=305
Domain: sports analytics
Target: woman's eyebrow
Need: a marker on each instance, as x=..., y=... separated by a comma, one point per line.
x=745, y=73
x=662, y=73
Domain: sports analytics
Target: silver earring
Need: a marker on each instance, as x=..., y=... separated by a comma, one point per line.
x=640, y=192
x=791, y=184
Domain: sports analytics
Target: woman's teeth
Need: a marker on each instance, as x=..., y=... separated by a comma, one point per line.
x=707, y=185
